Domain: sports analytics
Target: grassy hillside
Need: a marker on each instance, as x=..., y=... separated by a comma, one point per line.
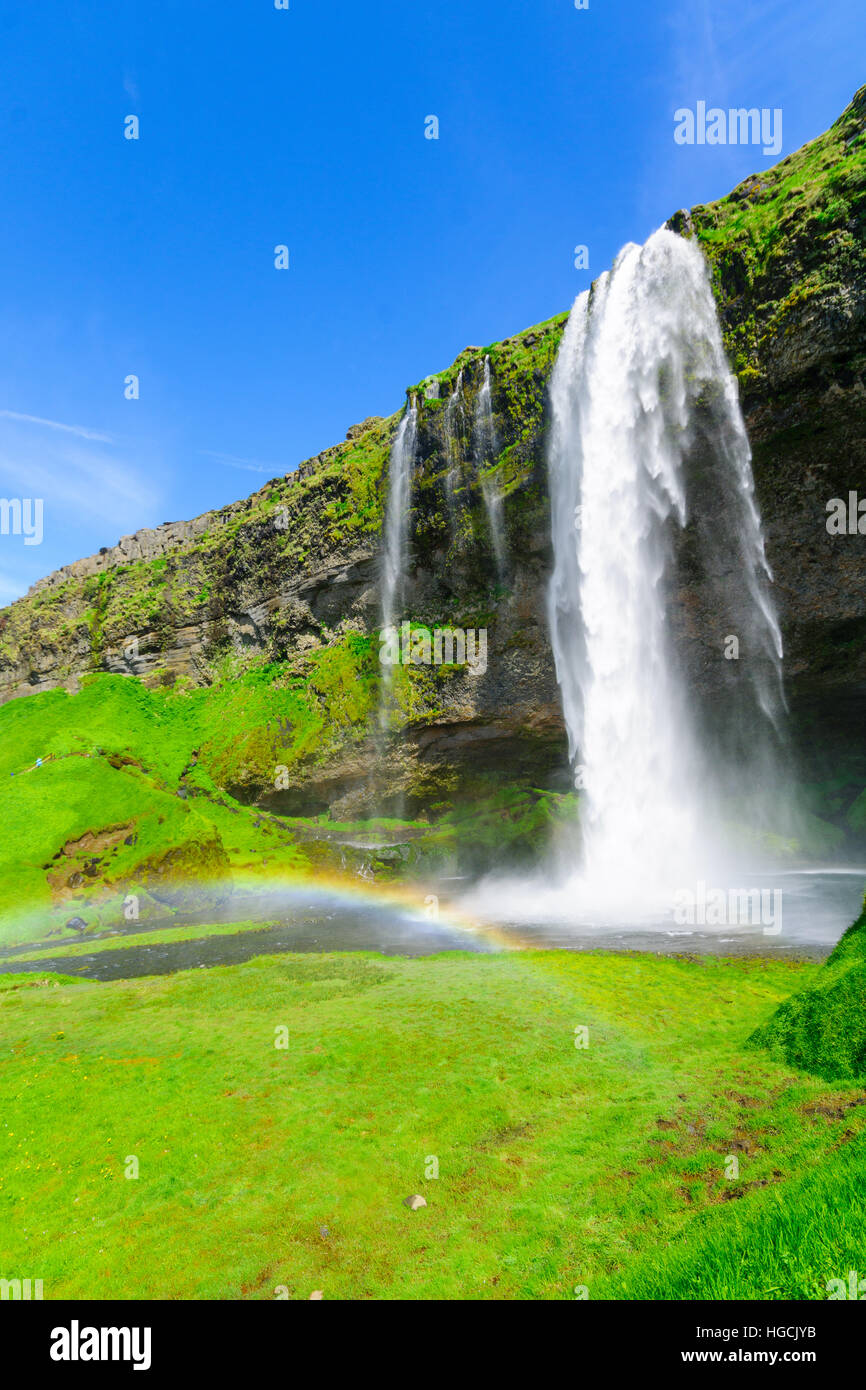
x=823, y=1028
x=559, y=1167
x=124, y=800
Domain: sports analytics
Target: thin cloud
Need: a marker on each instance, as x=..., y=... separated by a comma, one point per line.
x=721, y=53
x=119, y=484
x=78, y=482
x=248, y=465
x=80, y=430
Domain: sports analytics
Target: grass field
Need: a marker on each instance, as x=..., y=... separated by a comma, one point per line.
x=560, y=1168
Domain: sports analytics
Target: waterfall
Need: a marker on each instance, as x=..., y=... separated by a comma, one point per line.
x=396, y=533
x=397, y=514
x=647, y=437
x=486, y=452
x=455, y=425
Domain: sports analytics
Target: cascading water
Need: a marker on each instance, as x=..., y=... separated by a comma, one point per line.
x=486, y=452
x=455, y=425
x=642, y=399
x=396, y=534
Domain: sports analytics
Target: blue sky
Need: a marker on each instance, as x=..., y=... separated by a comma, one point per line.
x=305, y=127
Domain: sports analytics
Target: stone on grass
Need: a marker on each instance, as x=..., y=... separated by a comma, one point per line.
x=414, y=1202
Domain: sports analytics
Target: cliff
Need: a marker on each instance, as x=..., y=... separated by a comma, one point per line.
x=279, y=593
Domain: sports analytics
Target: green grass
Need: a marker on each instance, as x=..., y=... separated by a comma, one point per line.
x=36, y=979
x=153, y=936
x=558, y=1167
x=805, y=1233
x=114, y=758
x=823, y=1027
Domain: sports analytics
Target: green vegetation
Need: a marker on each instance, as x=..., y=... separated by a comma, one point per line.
x=559, y=1166
x=103, y=814
x=786, y=239
x=823, y=1028
x=498, y=827
x=152, y=936
x=789, y=1246
x=144, y=790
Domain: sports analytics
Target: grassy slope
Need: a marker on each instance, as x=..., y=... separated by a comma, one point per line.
x=558, y=1167
x=823, y=1028
x=117, y=755
x=248, y=719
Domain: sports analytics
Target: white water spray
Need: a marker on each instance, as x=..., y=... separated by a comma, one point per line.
x=641, y=382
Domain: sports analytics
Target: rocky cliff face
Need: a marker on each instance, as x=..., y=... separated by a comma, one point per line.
x=788, y=250
x=279, y=581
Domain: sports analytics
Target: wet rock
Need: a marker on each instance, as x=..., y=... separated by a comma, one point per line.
x=681, y=223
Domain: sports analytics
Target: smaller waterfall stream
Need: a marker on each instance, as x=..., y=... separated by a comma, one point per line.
x=486, y=452
x=396, y=535
x=455, y=427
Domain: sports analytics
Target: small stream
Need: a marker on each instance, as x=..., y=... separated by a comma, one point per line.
x=818, y=907
x=290, y=922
